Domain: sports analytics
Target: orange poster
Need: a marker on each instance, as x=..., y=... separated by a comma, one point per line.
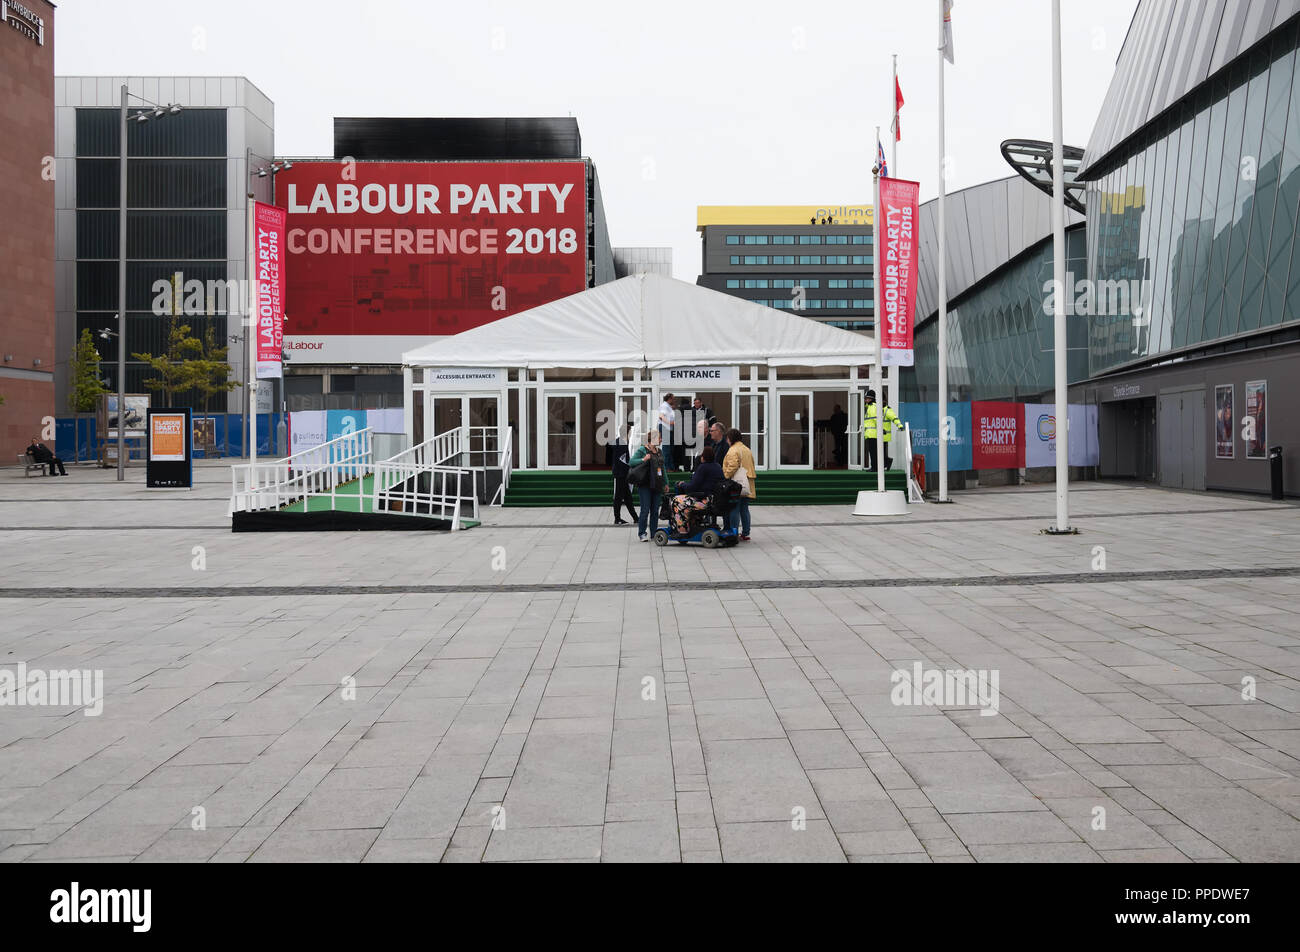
x=167, y=437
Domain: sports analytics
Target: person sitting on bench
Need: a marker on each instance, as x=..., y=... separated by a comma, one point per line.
x=42, y=454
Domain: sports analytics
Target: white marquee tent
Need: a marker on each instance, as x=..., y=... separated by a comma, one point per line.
x=647, y=320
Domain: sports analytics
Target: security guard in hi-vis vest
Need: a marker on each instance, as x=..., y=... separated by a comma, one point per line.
x=869, y=430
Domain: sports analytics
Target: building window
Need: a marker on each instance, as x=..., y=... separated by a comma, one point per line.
x=733, y=282
x=838, y=283
x=837, y=259
x=863, y=283
x=756, y=282
x=782, y=259
x=755, y=259
x=733, y=239
x=810, y=239
x=756, y=239
x=810, y=259
x=860, y=259
x=735, y=259
x=783, y=239
x=837, y=239
x=861, y=240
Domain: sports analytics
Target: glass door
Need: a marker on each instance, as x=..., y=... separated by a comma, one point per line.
x=485, y=430
x=795, y=441
x=855, y=429
x=751, y=420
x=561, y=431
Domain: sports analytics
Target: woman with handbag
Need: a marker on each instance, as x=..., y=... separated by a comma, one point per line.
x=647, y=474
x=739, y=465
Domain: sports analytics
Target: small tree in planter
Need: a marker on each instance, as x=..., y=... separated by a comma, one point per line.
x=86, y=387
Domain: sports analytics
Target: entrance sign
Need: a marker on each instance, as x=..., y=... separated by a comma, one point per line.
x=268, y=260
x=695, y=376
x=169, y=462
x=899, y=201
x=465, y=378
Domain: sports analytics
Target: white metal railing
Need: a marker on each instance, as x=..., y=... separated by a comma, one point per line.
x=318, y=471
x=505, y=461
x=415, y=483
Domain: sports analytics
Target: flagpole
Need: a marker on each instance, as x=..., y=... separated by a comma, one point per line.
x=1058, y=273
x=875, y=273
x=894, y=370
x=944, y=434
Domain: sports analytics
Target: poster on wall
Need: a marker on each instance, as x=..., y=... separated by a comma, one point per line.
x=923, y=418
x=1041, y=432
x=1256, y=419
x=997, y=435
x=1224, y=444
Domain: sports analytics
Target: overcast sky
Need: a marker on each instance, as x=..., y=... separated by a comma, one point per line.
x=680, y=104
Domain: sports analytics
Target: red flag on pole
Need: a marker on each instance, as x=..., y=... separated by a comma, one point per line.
x=898, y=104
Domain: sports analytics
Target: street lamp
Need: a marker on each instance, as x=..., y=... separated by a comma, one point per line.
x=144, y=115
x=250, y=375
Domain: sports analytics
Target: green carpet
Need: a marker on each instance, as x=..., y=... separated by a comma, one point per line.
x=782, y=487
x=353, y=496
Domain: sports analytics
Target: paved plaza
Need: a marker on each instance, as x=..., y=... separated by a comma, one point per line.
x=545, y=687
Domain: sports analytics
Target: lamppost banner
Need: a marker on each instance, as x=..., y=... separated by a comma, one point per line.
x=896, y=268
x=268, y=265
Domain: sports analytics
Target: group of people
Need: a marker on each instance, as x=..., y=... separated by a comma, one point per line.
x=683, y=429
x=724, y=456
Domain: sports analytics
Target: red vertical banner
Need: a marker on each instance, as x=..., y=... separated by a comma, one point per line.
x=896, y=268
x=268, y=266
x=997, y=435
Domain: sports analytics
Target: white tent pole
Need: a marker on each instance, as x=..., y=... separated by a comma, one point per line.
x=875, y=272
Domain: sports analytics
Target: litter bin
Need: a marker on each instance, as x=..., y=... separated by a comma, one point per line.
x=1275, y=469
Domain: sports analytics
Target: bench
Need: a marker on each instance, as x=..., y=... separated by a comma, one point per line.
x=30, y=464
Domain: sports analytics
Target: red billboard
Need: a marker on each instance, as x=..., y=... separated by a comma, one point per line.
x=997, y=435
x=385, y=255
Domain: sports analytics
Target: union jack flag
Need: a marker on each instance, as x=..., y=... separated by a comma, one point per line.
x=880, y=160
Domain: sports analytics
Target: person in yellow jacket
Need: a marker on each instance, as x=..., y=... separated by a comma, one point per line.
x=869, y=430
x=740, y=460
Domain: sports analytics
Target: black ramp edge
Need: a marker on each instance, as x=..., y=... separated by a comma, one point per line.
x=334, y=521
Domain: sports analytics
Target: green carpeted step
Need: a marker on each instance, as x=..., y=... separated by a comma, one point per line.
x=775, y=488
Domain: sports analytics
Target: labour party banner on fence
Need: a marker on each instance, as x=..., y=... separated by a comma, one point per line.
x=268, y=265
x=896, y=268
x=997, y=432
x=923, y=418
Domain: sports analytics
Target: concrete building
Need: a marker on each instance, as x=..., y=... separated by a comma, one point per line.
x=27, y=187
x=189, y=175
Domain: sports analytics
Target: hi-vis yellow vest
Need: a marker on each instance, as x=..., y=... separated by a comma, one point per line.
x=869, y=422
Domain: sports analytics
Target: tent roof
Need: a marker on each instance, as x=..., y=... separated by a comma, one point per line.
x=646, y=320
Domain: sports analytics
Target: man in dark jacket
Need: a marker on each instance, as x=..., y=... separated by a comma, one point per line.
x=43, y=454
x=718, y=440
x=616, y=456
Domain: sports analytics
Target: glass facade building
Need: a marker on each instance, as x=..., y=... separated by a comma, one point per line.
x=188, y=180
x=1199, y=211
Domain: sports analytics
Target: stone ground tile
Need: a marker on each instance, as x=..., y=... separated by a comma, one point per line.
x=691, y=840
x=702, y=856
x=1166, y=855
x=985, y=829
x=880, y=842
x=891, y=858
x=1036, y=853
x=187, y=846
x=545, y=843
x=641, y=841
x=385, y=850
x=818, y=749
x=779, y=843
x=317, y=846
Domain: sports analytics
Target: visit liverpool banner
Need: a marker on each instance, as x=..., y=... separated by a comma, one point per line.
x=268, y=266
x=896, y=268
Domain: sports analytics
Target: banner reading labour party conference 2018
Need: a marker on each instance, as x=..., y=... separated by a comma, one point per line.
x=896, y=268
x=268, y=264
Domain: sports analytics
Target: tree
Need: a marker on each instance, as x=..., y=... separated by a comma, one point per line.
x=83, y=369
x=174, y=367
x=211, y=370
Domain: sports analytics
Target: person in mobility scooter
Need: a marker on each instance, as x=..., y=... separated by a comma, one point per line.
x=699, y=504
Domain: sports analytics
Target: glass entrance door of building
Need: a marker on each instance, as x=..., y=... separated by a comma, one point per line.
x=796, y=430
x=855, y=429
x=751, y=420
x=484, y=433
x=562, y=436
